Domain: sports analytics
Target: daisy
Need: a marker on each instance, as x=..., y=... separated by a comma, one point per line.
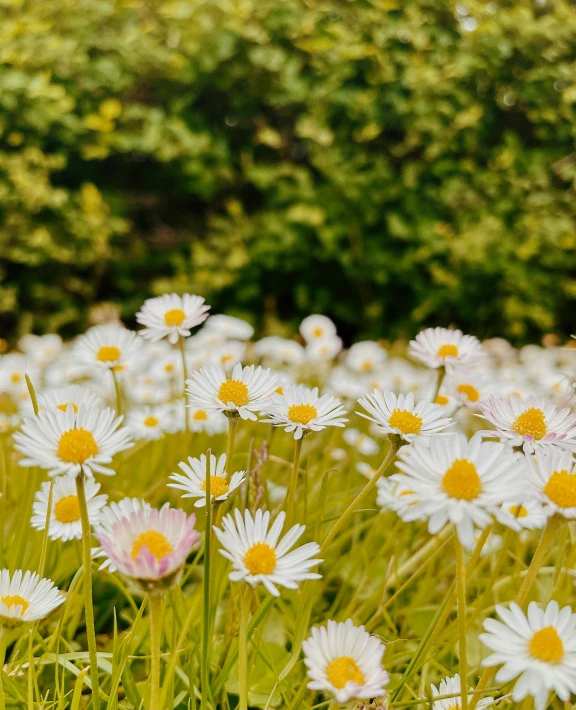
x=171, y=316
x=72, y=442
x=193, y=482
x=530, y=424
x=65, y=523
x=280, y=350
x=13, y=371
x=323, y=350
x=108, y=347
x=441, y=347
x=110, y=515
x=242, y=394
x=366, y=357
x=150, y=545
x=317, y=327
x=150, y=423
x=229, y=327
x=467, y=386
x=394, y=496
x=75, y=395
x=42, y=349
x=458, y=481
x=24, y=596
x=452, y=686
x=228, y=354
x=363, y=444
x=205, y=420
x=346, y=661
x=540, y=647
x=257, y=555
x=399, y=415
x=528, y=515
x=300, y=410
x=553, y=475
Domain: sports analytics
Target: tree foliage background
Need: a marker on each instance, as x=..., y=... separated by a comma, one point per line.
x=392, y=163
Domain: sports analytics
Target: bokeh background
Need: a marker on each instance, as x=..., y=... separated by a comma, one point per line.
x=391, y=163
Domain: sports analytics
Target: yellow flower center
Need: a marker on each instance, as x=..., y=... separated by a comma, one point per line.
x=16, y=377
x=531, y=423
x=234, y=391
x=441, y=399
x=77, y=445
x=366, y=366
x=108, y=353
x=174, y=317
x=279, y=390
x=518, y=511
x=200, y=416
x=64, y=406
x=318, y=332
x=342, y=670
x=225, y=358
x=16, y=600
x=447, y=350
x=462, y=481
x=471, y=393
x=169, y=368
x=156, y=543
x=561, y=489
x=407, y=422
x=218, y=486
x=151, y=421
x=547, y=646
x=260, y=559
x=302, y=413
x=67, y=509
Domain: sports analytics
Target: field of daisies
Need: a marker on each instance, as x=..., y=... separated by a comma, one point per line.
x=191, y=518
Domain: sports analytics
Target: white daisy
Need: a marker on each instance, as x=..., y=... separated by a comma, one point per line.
x=553, y=475
x=281, y=350
x=205, y=420
x=317, y=327
x=451, y=686
x=42, y=349
x=75, y=395
x=229, y=327
x=366, y=357
x=399, y=415
x=540, y=647
x=71, y=443
x=458, y=481
x=13, y=371
x=110, y=515
x=245, y=392
x=363, y=443
x=228, y=354
x=441, y=347
x=300, y=410
x=467, y=386
x=394, y=496
x=530, y=423
x=108, y=347
x=150, y=423
x=528, y=515
x=323, y=350
x=346, y=661
x=193, y=482
x=25, y=597
x=65, y=522
x=257, y=555
x=170, y=316
x=346, y=384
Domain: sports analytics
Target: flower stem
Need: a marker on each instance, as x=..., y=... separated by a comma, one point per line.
x=293, y=483
x=232, y=427
x=207, y=575
x=3, y=632
x=243, y=649
x=118, y=392
x=439, y=381
x=155, y=602
x=44, y=548
x=347, y=514
x=87, y=587
x=461, y=586
x=184, y=371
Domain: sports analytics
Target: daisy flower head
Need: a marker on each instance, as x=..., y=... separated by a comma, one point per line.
x=323, y=350
x=394, y=496
x=258, y=556
x=281, y=350
x=171, y=316
x=107, y=347
x=530, y=424
x=72, y=442
x=74, y=395
x=346, y=661
x=150, y=423
x=458, y=481
x=229, y=328
x=300, y=409
x=366, y=357
x=65, y=522
x=443, y=347
x=401, y=416
x=363, y=443
x=42, y=349
x=539, y=647
x=452, y=686
x=527, y=515
x=317, y=327
x=150, y=546
x=13, y=370
x=241, y=394
x=204, y=420
x=193, y=482
x=228, y=354
x=25, y=597
x=553, y=475
x=467, y=386
x=111, y=514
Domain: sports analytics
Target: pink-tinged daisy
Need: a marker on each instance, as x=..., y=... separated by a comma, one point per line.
x=530, y=424
x=171, y=316
x=539, y=647
x=246, y=391
x=259, y=557
x=553, y=475
x=150, y=545
x=441, y=347
x=72, y=442
x=399, y=415
x=26, y=597
x=110, y=515
x=346, y=661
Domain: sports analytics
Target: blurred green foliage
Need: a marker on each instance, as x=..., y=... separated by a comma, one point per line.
x=392, y=163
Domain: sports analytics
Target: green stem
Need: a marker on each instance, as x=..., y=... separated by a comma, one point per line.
x=2, y=497
x=87, y=587
x=232, y=427
x=439, y=381
x=42, y=562
x=184, y=371
x=155, y=602
x=118, y=392
x=463, y=661
x=345, y=517
x=293, y=483
x=3, y=632
x=243, y=649
x=207, y=575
